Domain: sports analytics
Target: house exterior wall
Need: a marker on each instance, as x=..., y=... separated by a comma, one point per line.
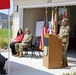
x=0, y=24
x=24, y=2
x=17, y=18
x=62, y=0
x=4, y=25
x=15, y=26
x=72, y=20
x=30, y=18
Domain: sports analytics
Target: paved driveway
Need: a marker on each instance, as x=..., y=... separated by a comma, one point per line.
x=34, y=66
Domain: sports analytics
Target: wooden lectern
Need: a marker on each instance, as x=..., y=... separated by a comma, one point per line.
x=52, y=57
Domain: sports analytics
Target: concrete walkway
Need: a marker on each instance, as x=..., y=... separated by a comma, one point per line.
x=34, y=66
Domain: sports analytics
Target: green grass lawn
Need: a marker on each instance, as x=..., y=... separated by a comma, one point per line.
x=4, y=35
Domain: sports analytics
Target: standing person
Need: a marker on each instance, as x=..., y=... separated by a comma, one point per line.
x=26, y=42
x=64, y=35
x=18, y=39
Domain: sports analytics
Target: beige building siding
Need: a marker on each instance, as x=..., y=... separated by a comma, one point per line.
x=15, y=24
x=24, y=2
x=62, y=0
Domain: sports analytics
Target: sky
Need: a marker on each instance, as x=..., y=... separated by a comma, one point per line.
x=6, y=10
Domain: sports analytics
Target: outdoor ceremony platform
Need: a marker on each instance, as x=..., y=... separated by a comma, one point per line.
x=34, y=66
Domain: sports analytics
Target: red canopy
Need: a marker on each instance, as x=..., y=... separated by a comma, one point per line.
x=4, y=4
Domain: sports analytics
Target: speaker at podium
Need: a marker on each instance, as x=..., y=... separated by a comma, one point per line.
x=52, y=56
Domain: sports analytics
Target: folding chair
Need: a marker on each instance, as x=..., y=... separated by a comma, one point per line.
x=28, y=49
x=35, y=48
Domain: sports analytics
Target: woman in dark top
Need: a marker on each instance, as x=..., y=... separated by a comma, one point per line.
x=18, y=39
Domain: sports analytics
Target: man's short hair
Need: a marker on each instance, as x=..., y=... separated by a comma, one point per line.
x=27, y=29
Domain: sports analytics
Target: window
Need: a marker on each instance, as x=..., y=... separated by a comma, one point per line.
x=5, y=25
x=60, y=14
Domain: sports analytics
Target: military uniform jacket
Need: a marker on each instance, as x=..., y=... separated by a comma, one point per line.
x=27, y=39
x=64, y=33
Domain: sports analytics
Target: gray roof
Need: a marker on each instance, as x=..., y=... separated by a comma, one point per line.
x=4, y=16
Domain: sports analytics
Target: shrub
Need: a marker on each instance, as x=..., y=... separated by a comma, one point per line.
x=70, y=73
x=3, y=44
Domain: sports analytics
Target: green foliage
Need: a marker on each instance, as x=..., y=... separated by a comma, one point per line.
x=3, y=44
x=10, y=23
x=4, y=37
x=4, y=33
x=60, y=16
x=69, y=73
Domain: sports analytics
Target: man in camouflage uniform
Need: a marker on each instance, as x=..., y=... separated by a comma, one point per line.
x=26, y=42
x=64, y=35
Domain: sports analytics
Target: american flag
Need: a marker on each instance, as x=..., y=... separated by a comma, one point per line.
x=44, y=30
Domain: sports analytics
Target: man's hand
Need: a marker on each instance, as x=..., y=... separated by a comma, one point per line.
x=14, y=40
x=22, y=42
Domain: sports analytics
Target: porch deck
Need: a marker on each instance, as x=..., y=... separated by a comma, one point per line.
x=34, y=66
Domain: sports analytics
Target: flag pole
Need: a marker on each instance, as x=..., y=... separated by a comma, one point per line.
x=52, y=22
x=46, y=19
x=55, y=22
x=8, y=41
x=64, y=13
x=64, y=7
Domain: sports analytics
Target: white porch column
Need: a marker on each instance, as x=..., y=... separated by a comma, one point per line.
x=15, y=23
x=21, y=18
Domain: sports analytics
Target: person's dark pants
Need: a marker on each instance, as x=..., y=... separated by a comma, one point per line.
x=2, y=62
x=12, y=46
x=2, y=65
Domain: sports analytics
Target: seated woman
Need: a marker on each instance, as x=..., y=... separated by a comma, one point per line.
x=18, y=39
